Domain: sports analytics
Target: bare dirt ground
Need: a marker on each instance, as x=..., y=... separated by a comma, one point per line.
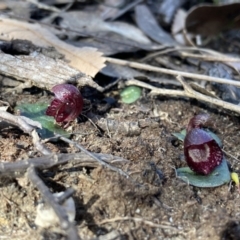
x=153, y=203
x=160, y=206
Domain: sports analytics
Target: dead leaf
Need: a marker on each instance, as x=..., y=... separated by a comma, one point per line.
x=166, y=9
x=209, y=20
x=147, y=22
x=109, y=43
x=89, y=22
x=110, y=8
x=86, y=60
x=20, y=8
x=178, y=27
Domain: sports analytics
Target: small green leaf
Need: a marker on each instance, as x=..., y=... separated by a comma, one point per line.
x=218, y=177
x=131, y=94
x=36, y=111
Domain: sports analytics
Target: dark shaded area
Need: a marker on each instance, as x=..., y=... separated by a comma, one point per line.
x=231, y=231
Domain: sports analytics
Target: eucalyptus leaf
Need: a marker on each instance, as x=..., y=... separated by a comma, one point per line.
x=218, y=177
x=36, y=111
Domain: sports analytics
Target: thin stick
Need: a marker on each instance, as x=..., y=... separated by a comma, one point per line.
x=18, y=168
x=188, y=92
x=172, y=72
x=141, y=220
x=103, y=163
x=193, y=94
x=67, y=194
x=28, y=126
x=218, y=55
x=211, y=58
x=67, y=226
x=160, y=91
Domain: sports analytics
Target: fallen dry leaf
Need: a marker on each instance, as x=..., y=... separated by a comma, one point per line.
x=110, y=8
x=88, y=22
x=87, y=60
x=209, y=20
x=178, y=27
x=148, y=24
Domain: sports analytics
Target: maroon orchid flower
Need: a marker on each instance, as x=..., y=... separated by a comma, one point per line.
x=201, y=151
x=67, y=104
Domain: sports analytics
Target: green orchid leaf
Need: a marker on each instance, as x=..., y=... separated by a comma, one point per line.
x=131, y=94
x=218, y=177
x=215, y=137
x=180, y=136
x=36, y=112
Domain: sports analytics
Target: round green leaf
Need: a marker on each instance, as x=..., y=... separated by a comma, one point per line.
x=131, y=94
x=218, y=177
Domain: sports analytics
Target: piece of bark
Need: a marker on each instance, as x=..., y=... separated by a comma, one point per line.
x=41, y=71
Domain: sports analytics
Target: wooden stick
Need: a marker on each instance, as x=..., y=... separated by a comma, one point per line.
x=175, y=73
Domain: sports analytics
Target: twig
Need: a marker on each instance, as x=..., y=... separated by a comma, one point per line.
x=67, y=194
x=156, y=90
x=67, y=226
x=218, y=56
x=193, y=94
x=103, y=163
x=16, y=169
x=172, y=72
x=28, y=126
x=188, y=92
x=211, y=58
x=149, y=223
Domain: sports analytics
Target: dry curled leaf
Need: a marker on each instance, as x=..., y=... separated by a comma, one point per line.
x=87, y=60
x=209, y=20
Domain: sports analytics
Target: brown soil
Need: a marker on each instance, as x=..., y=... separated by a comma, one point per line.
x=158, y=205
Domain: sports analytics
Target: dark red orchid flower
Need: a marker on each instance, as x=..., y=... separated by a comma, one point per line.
x=67, y=104
x=201, y=151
